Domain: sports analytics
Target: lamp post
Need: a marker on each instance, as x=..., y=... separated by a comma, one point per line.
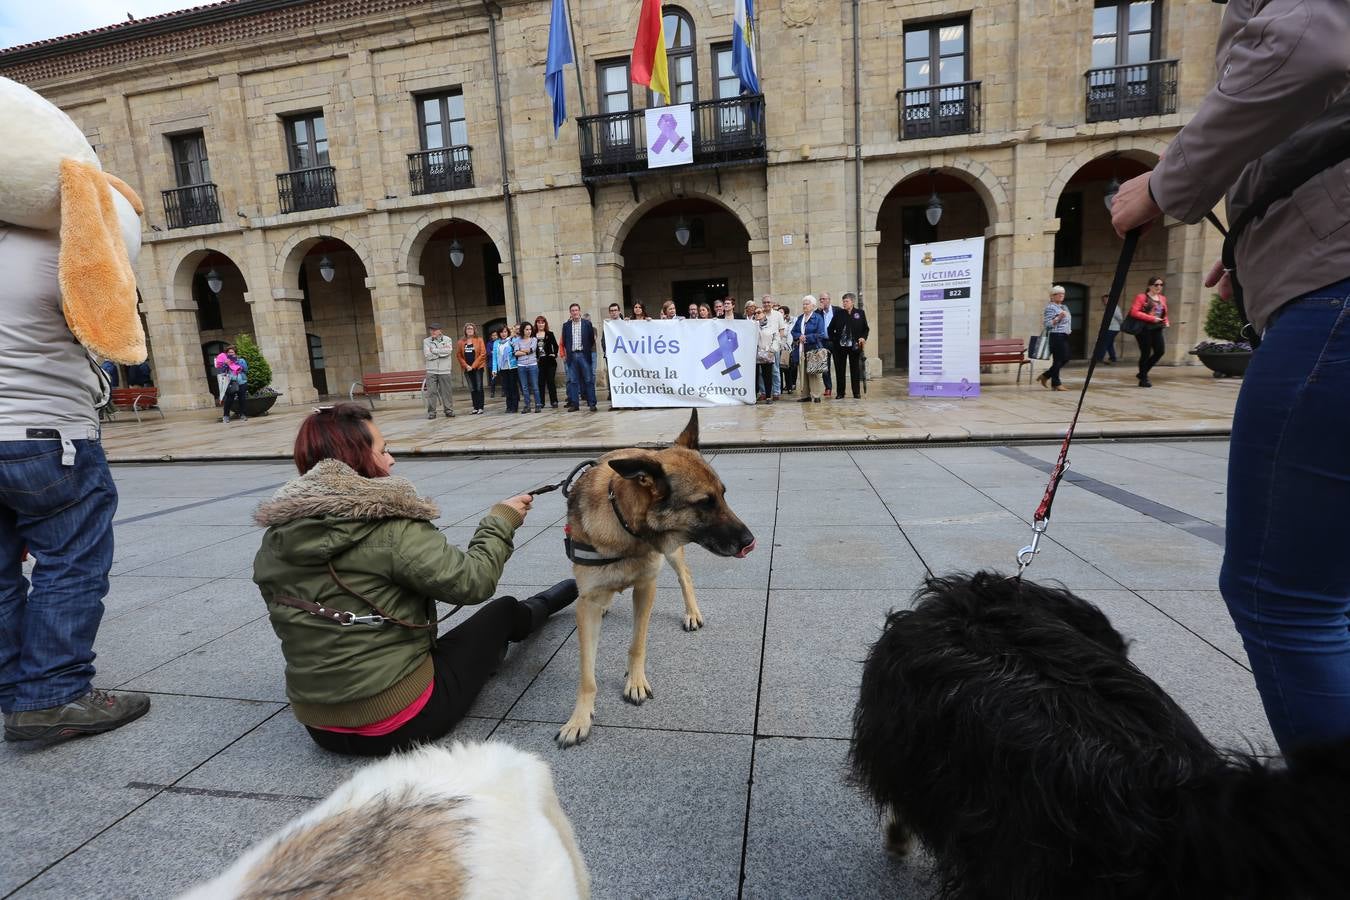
x=934, y=211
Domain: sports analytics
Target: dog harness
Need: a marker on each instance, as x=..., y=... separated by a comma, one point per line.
x=583, y=554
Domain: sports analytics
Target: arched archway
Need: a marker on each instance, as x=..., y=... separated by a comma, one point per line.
x=216, y=285
x=460, y=266
x=1086, y=248
x=902, y=221
x=714, y=263
x=621, y=220
x=336, y=306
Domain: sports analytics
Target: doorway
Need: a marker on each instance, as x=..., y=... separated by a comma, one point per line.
x=1075, y=298
x=700, y=290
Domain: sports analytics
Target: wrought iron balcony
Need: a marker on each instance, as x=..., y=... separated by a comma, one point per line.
x=1127, y=92
x=307, y=189
x=193, y=204
x=447, y=169
x=726, y=131
x=939, y=110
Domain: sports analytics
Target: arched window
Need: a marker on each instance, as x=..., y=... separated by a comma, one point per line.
x=680, y=55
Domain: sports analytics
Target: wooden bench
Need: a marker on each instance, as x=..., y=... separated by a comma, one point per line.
x=373, y=383
x=1006, y=350
x=137, y=399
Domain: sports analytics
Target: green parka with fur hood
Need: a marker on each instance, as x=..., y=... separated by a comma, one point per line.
x=378, y=535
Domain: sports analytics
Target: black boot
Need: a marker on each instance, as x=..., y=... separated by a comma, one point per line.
x=534, y=611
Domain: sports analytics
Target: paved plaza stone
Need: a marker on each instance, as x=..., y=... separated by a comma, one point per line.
x=1185, y=401
x=732, y=781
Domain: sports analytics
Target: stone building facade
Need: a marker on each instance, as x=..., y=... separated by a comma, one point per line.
x=323, y=161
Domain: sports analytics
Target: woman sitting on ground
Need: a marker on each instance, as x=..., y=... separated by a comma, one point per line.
x=351, y=567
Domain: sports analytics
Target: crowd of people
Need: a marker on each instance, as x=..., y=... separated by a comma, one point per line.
x=521, y=360
x=1145, y=318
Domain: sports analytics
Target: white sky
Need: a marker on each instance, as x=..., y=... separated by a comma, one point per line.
x=24, y=21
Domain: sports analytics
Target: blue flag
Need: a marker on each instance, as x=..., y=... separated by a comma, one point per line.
x=559, y=55
x=743, y=63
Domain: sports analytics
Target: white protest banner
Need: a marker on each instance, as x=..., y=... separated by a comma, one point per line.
x=670, y=136
x=681, y=362
x=944, y=318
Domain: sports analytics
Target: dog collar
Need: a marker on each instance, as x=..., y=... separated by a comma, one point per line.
x=584, y=554
x=614, y=505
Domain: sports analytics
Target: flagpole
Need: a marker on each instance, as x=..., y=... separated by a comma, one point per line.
x=576, y=56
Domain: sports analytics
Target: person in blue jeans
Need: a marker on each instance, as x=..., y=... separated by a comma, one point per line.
x=1286, y=570
x=57, y=501
x=527, y=367
x=578, y=341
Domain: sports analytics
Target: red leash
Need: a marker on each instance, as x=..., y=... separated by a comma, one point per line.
x=1041, y=520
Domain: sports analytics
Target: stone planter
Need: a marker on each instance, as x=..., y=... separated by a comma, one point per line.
x=258, y=406
x=1225, y=365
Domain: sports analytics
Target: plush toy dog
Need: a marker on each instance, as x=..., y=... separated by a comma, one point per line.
x=51, y=179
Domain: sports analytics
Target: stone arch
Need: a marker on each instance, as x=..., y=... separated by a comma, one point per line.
x=183, y=265
x=415, y=239
x=624, y=219
x=294, y=248
x=980, y=177
x=1146, y=150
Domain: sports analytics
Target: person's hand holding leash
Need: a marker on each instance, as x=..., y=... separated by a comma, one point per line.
x=521, y=503
x=1219, y=280
x=1133, y=206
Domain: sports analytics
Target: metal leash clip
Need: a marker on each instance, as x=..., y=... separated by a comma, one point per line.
x=372, y=621
x=1028, y=553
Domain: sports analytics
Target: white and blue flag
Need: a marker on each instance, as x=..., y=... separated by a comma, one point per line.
x=743, y=47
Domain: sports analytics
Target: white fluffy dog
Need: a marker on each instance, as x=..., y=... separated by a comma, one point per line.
x=468, y=821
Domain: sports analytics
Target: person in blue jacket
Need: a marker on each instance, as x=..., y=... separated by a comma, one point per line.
x=808, y=334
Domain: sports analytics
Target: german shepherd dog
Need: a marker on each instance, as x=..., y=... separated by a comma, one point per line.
x=624, y=515
x=1003, y=724
x=459, y=822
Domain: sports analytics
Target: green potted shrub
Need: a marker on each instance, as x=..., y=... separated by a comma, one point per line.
x=1226, y=353
x=261, y=397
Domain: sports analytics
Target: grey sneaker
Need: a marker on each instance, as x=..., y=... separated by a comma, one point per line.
x=95, y=712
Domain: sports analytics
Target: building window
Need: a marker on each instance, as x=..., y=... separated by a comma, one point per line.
x=1124, y=33
x=1069, y=238
x=306, y=141
x=440, y=121
x=914, y=229
x=613, y=78
x=683, y=64
x=190, y=165
x=728, y=85
x=935, y=53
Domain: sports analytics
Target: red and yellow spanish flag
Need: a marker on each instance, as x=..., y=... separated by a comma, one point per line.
x=649, y=51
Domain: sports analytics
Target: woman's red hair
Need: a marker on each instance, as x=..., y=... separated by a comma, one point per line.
x=337, y=432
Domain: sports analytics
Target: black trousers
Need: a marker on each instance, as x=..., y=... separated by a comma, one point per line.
x=1059, y=352
x=510, y=385
x=1151, y=347
x=235, y=394
x=849, y=358
x=788, y=374
x=548, y=371
x=475, y=379
x=465, y=657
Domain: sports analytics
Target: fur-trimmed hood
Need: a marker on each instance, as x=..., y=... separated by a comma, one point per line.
x=333, y=489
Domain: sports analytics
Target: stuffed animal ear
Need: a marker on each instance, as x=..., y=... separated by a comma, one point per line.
x=689, y=437
x=645, y=470
x=98, y=286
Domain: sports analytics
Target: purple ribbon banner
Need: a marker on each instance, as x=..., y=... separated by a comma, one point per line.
x=725, y=354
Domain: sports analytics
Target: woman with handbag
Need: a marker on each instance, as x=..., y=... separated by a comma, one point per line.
x=1058, y=323
x=352, y=566
x=547, y=343
x=1146, y=321
x=472, y=357
x=808, y=333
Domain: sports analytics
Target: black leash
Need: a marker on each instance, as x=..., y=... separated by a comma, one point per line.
x=1041, y=520
x=566, y=483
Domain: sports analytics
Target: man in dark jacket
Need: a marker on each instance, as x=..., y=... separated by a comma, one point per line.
x=579, y=343
x=1283, y=65
x=848, y=333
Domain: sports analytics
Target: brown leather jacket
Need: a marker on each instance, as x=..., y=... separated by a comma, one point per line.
x=479, y=353
x=1281, y=63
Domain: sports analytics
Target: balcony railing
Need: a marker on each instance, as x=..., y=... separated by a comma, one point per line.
x=1127, y=92
x=193, y=204
x=447, y=169
x=725, y=131
x=939, y=110
x=307, y=189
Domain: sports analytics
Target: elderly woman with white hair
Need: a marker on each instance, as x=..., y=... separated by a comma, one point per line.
x=1059, y=323
x=808, y=333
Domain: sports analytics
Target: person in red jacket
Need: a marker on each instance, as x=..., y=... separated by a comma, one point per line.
x=1150, y=311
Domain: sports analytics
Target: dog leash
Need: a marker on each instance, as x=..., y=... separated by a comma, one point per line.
x=566, y=483
x=1041, y=520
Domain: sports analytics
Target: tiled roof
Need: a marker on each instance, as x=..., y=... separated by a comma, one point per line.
x=117, y=26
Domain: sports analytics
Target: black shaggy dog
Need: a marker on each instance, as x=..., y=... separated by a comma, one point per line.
x=1003, y=725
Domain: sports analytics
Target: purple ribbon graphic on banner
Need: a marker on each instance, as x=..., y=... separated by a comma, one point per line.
x=725, y=355
x=668, y=135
